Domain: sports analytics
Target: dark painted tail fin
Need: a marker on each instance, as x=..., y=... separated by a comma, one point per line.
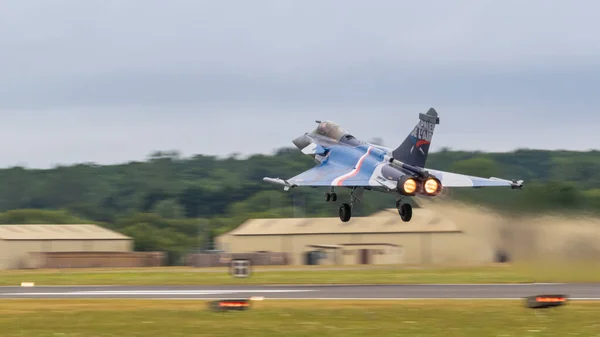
x=414, y=149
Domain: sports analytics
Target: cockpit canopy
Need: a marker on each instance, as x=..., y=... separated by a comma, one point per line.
x=334, y=131
x=331, y=130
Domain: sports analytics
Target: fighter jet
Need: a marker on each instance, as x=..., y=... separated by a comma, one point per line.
x=343, y=161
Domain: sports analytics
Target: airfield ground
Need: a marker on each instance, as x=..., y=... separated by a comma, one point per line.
x=502, y=273
x=149, y=318
x=154, y=317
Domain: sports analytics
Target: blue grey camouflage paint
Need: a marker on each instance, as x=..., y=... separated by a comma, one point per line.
x=345, y=161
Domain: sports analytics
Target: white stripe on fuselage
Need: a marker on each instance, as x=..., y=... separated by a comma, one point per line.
x=355, y=170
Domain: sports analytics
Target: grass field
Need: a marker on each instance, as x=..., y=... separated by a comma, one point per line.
x=70, y=318
x=283, y=275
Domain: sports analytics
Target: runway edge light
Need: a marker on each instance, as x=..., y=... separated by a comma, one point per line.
x=27, y=284
x=230, y=305
x=545, y=301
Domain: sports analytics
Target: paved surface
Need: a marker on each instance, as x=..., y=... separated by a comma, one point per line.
x=495, y=291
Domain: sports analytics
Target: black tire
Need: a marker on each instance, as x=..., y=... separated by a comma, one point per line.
x=333, y=197
x=405, y=212
x=345, y=212
x=327, y=196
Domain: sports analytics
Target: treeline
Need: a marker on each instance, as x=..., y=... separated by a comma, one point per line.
x=178, y=204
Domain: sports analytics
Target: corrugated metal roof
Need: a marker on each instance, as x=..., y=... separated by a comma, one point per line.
x=387, y=221
x=58, y=232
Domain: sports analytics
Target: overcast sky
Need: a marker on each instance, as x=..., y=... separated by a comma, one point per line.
x=110, y=81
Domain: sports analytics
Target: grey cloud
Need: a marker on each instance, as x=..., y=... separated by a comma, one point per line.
x=109, y=135
x=354, y=86
x=125, y=68
x=71, y=38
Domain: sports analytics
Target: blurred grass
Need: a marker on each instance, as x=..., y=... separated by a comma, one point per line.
x=70, y=318
x=502, y=273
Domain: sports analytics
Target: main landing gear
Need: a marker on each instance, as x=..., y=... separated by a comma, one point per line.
x=405, y=210
x=345, y=210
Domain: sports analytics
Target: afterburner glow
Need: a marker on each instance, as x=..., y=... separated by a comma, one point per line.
x=432, y=186
x=410, y=186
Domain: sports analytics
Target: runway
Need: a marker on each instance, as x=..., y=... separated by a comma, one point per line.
x=416, y=291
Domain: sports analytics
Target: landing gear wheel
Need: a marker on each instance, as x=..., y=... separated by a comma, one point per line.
x=345, y=212
x=327, y=196
x=333, y=197
x=405, y=211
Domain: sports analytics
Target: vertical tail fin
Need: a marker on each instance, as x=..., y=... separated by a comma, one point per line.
x=414, y=149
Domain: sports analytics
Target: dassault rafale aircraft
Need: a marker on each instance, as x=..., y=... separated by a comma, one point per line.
x=345, y=161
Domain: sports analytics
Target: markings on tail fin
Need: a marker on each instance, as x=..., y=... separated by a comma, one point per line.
x=422, y=142
x=423, y=131
x=419, y=138
x=422, y=135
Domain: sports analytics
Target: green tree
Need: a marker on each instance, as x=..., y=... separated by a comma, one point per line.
x=190, y=199
x=169, y=209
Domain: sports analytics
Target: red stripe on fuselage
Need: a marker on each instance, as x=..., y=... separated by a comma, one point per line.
x=356, y=170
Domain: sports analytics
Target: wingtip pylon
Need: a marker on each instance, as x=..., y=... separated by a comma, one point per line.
x=277, y=181
x=517, y=184
x=514, y=184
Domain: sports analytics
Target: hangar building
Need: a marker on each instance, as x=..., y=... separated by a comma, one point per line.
x=17, y=242
x=381, y=238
